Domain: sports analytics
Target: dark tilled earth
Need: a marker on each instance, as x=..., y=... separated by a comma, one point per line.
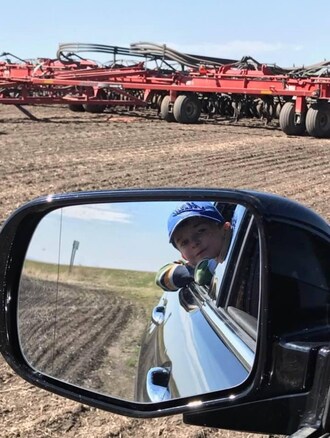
x=67, y=151
x=93, y=333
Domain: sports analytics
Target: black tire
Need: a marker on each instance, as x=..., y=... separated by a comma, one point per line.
x=270, y=110
x=287, y=123
x=95, y=109
x=278, y=109
x=187, y=109
x=318, y=120
x=165, y=111
x=76, y=107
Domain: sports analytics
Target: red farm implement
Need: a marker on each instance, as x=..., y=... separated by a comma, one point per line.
x=180, y=86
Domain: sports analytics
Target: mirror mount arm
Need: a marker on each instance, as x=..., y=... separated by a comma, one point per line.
x=278, y=415
x=306, y=432
x=316, y=414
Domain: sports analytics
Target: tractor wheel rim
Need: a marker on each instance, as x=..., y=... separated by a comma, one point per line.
x=323, y=121
x=190, y=109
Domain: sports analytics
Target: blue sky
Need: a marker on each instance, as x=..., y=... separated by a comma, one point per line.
x=283, y=32
x=120, y=236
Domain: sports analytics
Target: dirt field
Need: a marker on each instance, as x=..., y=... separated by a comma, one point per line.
x=94, y=342
x=68, y=151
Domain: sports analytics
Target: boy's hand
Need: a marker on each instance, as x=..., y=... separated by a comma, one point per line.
x=173, y=276
x=204, y=271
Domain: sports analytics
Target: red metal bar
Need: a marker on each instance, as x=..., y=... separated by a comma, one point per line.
x=62, y=101
x=84, y=83
x=290, y=87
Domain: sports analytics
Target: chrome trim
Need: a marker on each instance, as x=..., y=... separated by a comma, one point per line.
x=158, y=315
x=155, y=392
x=241, y=350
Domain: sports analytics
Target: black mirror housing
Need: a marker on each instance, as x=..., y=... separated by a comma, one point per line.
x=291, y=352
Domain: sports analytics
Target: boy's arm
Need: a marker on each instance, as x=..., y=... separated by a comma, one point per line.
x=173, y=276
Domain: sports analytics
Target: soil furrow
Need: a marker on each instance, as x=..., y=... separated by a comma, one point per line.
x=67, y=151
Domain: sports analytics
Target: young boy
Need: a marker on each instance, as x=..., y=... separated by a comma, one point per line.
x=201, y=234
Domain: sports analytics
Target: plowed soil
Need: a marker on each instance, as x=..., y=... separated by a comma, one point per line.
x=66, y=151
x=94, y=339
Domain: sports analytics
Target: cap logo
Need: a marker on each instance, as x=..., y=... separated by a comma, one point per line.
x=188, y=206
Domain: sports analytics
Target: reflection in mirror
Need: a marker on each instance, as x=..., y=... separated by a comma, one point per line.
x=103, y=306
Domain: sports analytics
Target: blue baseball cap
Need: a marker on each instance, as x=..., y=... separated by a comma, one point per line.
x=187, y=210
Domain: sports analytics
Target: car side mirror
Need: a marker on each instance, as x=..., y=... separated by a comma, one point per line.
x=82, y=316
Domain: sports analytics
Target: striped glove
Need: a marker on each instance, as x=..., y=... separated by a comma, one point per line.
x=173, y=276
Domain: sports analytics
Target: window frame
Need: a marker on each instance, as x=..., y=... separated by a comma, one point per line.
x=230, y=331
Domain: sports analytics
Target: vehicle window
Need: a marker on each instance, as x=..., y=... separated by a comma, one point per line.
x=242, y=301
x=244, y=291
x=233, y=298
x=300, y=278
x=237, y=279
x=223, y=269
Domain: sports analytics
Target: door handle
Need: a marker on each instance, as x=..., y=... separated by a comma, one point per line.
x=158, y=315
x=157, y=384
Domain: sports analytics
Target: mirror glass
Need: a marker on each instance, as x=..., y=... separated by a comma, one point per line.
x=103, y=306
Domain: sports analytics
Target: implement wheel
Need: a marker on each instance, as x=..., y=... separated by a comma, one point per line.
x=99, y=108
x=278, y=109
x=165, y=110
x=287, y=122
x=318, y=120
x=95, y=109
x=76, y=108
x=187, y=109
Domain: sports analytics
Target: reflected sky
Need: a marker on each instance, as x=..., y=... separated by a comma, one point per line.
x=120, y=236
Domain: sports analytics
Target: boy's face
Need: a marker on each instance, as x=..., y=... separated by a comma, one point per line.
x=198, y=238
